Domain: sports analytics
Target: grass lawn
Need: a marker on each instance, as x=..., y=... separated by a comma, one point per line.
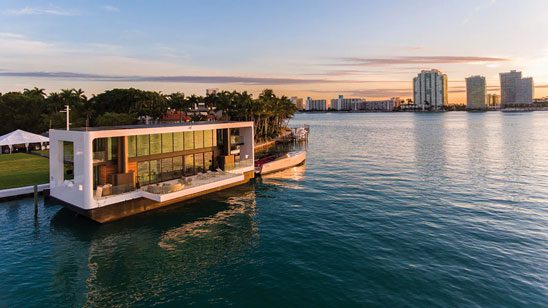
x=22, y=169
x=43, y=152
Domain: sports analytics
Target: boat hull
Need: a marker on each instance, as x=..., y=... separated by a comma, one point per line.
x=282, y=163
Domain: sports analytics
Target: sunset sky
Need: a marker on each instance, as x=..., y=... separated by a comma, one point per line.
x=369, y=49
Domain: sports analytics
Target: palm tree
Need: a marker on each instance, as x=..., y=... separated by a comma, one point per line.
x=35, y=92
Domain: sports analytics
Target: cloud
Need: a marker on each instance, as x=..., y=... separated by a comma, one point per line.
x=371, y=92
x=9, y=35
x=110, y=8
x=17, y=45
x=41, y=11
x=404, y=60
x=357, y=72
x=174, y=79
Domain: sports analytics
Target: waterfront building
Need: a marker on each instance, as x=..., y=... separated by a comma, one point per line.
x=298, y=102
x=515, y=90
x=526, y=91
x=381, y=105
x=398, y=102
x=430, y=90
x=107, y=173
x=492, y=100
x=475, y=93
x=342, y=103
x=315, y=104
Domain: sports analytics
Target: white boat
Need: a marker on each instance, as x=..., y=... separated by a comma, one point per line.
x=273, y=164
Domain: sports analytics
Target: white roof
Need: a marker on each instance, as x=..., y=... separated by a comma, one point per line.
x=21, y=137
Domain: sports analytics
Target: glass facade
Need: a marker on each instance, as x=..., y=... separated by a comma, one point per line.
x=143, y=172
x=167, y=143
x=155, y=144
x=143, y=147
x=189, y=140
x=157, y=157
x=68, y=160
x=178, y=142
x=153, y=165
x=199, y=162
x=189, y=164
x=132, y=146
x=105, y=149
x=154, y=170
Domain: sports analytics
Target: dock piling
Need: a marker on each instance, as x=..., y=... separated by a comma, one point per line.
x=35, y=200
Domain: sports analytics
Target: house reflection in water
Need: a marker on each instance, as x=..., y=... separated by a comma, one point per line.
x=146, y=259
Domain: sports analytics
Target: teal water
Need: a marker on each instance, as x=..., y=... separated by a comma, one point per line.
x=390, y=209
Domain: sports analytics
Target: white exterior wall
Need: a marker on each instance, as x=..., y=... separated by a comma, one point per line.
x=81, y=191
x=316, y=104
x=525, y=91
x=475, y=92
x=508, y=87
x=342, y=103
x=430, y=90
x=516, y=90
x=384, y=105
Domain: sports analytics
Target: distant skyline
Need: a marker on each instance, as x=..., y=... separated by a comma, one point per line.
x=369, y=49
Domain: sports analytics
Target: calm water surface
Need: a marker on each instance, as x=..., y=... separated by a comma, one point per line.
x=390, y=209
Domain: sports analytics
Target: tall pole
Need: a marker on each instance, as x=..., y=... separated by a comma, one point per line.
x=67, y=111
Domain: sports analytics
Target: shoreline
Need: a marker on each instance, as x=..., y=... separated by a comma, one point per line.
x=510, y=109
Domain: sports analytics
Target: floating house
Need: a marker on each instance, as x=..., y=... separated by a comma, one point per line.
x=107, y=173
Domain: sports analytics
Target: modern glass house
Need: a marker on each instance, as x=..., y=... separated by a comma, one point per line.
x=107, y=173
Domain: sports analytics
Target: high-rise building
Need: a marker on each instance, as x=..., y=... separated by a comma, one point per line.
x=514, y=89
x=492, y=100
x=383, y=105
x=475, y=92
x=298, y=102
x=315, y=104
x=526, y=90
x=342, y=103
x=430, y=90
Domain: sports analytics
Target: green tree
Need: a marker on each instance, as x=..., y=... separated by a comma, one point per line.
x=113, y=119
x=20, y=111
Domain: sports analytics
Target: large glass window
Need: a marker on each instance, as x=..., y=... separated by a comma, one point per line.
x=68, y=160
x=154, y=171
x=167, y=169
x=155, y=144
x=105, y=149
x=189, y=165
x=131, y=146
x=189, y=140
x=143, y=176
x=142, y=145
x=198, y=139
x=167, y=143
x=208, y=138
x=112, y=149
x=177, y=166
x=178, y=142
x=199, y=162
x=208, y=160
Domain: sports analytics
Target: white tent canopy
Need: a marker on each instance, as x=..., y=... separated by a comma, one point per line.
x=21, y=137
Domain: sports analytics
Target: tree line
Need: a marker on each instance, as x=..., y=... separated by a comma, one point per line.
x=36, y=111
